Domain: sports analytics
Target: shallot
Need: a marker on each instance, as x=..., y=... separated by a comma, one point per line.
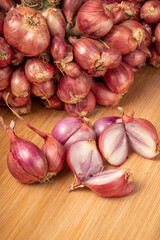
x=6, y=53
x=5, y=74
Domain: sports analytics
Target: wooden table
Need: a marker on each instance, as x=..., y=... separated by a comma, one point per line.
x=49, y=212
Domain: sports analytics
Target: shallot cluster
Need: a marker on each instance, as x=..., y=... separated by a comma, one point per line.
x=84, y=146
x=74, y=54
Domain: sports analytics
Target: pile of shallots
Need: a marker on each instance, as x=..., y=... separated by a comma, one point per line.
x=72, y=54
x=85, y=147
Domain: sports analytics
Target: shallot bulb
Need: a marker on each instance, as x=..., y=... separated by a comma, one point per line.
x=150, y=11
x=135, y=58
x=25, y=160
x=71, y=69
x=54, y=102
x=102, y=123
x=71, y=129
x=6, y=53
x=45, y=89
x=38, y=71
x=58, y=48
x=111, y=183
x=52, y=149
x=55, y=21
x=70, y=8
x=142, y=136
x=149, y=32
x=120, y=38
x=26, y=30
x=104, y=96
x=90, y=57
x=83, y=108
x=73, y=90
x=93, y=20
x=119, y=79
x=23, y=109
x=113, y=144
x=84, y=160
x=13, y=100
x=154, y=58
x=5, y=74
x=157, y=32
x=20, y=86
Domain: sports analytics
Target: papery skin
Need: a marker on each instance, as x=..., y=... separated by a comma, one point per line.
x=120, y=187
x=5, y=74
x=6, y=53
x=31, y=39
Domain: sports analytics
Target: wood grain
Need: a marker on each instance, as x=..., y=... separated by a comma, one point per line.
x=49, y=212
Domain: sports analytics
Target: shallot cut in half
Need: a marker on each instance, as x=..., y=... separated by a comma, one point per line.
x=111, y=183
x=92, y=20
x=6, y=53
x=113, y=144
x=120, y=78
x=38, y=71
x=26, y=30
x=20, y=86
x=54, y=102
x=82, y=108
x=55, y=21
x=72, y=129
x=142, y=136
x=52, y=149
x=104, y=122
x=93, y=56
x=84, y=160
x=25, y=160
x=104, y=96
x=73, y=90
x=150, y=11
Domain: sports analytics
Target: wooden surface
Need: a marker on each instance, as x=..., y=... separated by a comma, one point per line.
x=49, y=212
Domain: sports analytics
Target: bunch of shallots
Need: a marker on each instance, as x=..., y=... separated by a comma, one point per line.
x=72, y=54
x=84, y=147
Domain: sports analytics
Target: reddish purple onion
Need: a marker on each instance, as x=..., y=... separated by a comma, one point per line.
x=6, y=53
x=71, y=129
x=5, y=74
x=58, y=48
x=102, y=123
x=54, y=102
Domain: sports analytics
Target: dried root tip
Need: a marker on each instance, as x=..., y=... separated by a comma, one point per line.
x=48, y=178
x=76, y=184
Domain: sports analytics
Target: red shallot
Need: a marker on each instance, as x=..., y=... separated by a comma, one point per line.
x=58, y=48
x=53, y=102
x=6, y=53
x=83, y=108
x=84, y=160
x=45, y=89
x=71, y=129
x=73, y=90
x=119, y=79
x=111, y=183
x=93, y=57
x=154, y=58
x=113, y=144
x=102, y=123
x=5, y=74
x=7, y=4
x=14, y=101
x=38, y=71
x=25, y=160
x=157, y=32
x=20, y=86
x=55, y=21
x=92, y=20
x=150, y=11
x=135, y=59
x=26, y=30
x=142, y=136
x=104, y=96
